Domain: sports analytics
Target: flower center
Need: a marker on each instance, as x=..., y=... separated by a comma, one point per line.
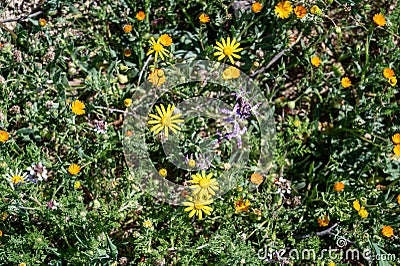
x=158, y=47
x=192, y=163
x=166, y=121
x=228, y=51
x=16, y=179
x=198, y=206
x=204, y=183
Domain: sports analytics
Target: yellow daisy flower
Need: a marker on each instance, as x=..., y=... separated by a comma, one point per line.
x=204, y=185
x=197, y=205
x=158, y=49
x=78, y=107
x=283, y=9
x=392, y=81
x=74, y=169
x=165, y=120
x=315, y=10
x=228, y=49
x=379, y=20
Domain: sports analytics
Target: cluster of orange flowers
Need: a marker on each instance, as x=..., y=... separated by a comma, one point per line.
x=396, y=141
x=345, y=81
x=256, y=7
x=284, y=9
x=139, y=16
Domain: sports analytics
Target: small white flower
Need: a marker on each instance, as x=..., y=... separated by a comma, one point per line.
x=53, y=205
x=37, y=172
x=148, y=224
x=16, y=178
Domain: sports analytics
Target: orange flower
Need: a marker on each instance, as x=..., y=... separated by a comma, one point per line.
x=74, y=169
x=323, y=222
x=388, y=73
x=42, y=22
x=379, y=19
x=256, y=7
x=231, y=72
x=204, y=18
x=300, y=11
x=387, y=231
x=283, y=9
x=241, y=205
x=256, y=178
x=346, y=82
x=315, y=61
x=398, y=198
x=396, y=149
x=78, y=107
x=339, y=186
x=127, y=52
x=4, y=136
x=165, y=40
x=396, y=138
x=140, y=16
x=127, y=28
